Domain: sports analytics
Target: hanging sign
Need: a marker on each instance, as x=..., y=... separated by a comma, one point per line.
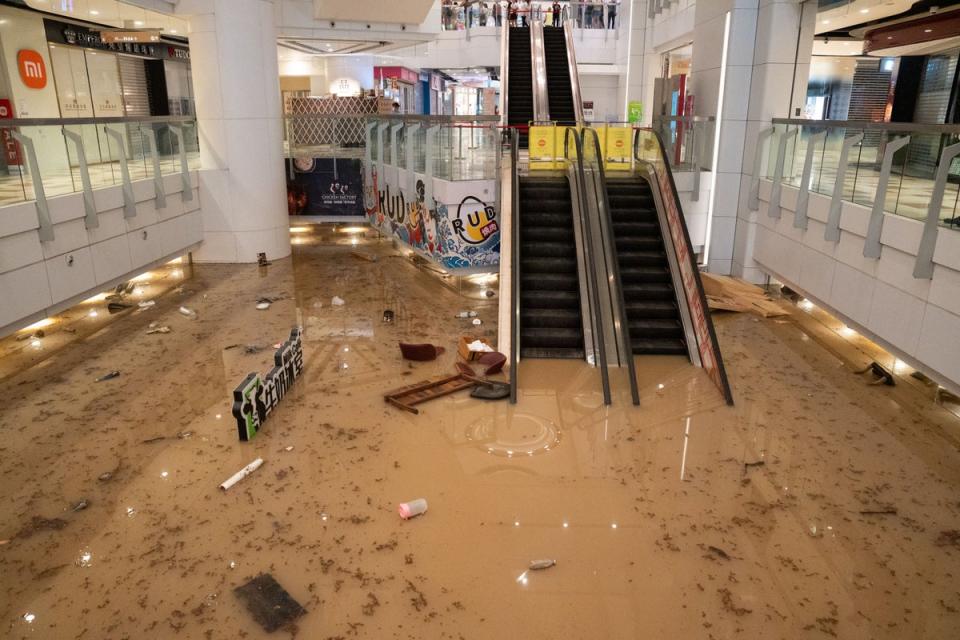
x=634, y=111
x=10, y=147
x=111, y=37
x=257, y=397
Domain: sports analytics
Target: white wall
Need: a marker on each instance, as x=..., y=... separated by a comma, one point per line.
x=602, y=90
x=41, y=278
x=916, y=319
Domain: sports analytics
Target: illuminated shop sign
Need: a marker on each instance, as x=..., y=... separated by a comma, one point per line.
x=33, y=71
x=257, y=396
x=142, y=44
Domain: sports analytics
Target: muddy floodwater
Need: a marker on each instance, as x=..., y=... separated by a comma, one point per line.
x=816, y=507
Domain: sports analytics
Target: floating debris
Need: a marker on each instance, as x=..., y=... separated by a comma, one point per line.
x=362, y=255
x=337, y=301
x=183, y=435
x=243, y=473
x=491, y=391
x=493, y=361
x=290, y=448
x=886, y=511
x=948, y=538
x=262, y=306
x=154, y=439
x=540, y=565
x=466, y=314
x=80, y=505
x=253, y=348
x=117, y=307
x=269, y=604
x=420, y=352
x=190, y=313
x=388, y=316
x=718, y=552
x=108, y=376
x=146, y=304
x=262, y=260
x=105, y=476
x=38, y=524
x=477, y=322
x=412, y=509
x=154, y=330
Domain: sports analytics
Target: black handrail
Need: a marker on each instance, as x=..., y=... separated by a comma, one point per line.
x=714, y=344
x=610, y=246
x=514, y=263
x=594, y=304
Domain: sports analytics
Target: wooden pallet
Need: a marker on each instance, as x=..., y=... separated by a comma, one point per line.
x=408, y=397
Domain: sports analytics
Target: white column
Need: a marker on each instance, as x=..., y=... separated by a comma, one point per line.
x=233, y=50
x=769, y=41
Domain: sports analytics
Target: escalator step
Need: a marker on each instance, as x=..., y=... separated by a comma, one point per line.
x=649, y=309
x=541, y=299
x=659, y=347
x=642, y=258
x=638, y=243
x=546, y=265
x=648, y=291
x=655, y=328
x=552, y=354
x=551, y=338
x=550, y=318
x=651, y=274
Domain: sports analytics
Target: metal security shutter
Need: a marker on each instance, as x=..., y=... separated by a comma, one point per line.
x=136, y=100
x=933, y=101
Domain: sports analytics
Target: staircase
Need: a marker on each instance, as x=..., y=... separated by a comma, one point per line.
x=652, y=310
x=520, y=87
x=559, y=88
x=550, y=321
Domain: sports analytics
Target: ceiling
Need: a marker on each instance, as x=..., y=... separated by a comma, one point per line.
x=112, y=13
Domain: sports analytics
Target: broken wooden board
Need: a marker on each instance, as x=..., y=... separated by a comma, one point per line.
x=730, y=294
x=269, y=604
x=408, y=397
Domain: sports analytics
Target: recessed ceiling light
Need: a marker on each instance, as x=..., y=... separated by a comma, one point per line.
x=94, y=12
x=173, y=30
x=138, y=23
x=864, y=10
x=826, y=22
x=928, y=30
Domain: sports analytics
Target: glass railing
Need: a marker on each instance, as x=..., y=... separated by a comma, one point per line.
x=688, y=141
x=896, y=163
x=456, y=147
x=466, y=15
x=45, y=158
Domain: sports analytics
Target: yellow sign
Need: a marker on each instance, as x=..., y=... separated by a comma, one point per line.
x=145, y=36
x=618, y=148
x=543, y=148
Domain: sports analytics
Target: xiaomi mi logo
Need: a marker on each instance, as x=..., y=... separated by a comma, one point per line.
x=33, y=71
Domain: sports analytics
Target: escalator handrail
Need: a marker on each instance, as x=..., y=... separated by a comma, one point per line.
x=594, y=302
x=724, y=382
x=514, y=264
x=504, y=71
x=609, y=243
x=573, y=71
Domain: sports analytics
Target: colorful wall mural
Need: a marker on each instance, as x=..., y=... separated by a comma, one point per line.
x=459, y=236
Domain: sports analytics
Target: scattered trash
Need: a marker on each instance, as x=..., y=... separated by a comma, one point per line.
x=337, y=301
x=117, y=307
x=108, y=376
x=69, y=329
x=412, y=509
x=190, y=313
x=466, y=314
x=269, y=604
x=230, y=346
x=388, y=317
x=243, y=473
x=369, y=257
x=262, y=260
x=154, y=330
x=145, y=304
x=407, y=397
x=880, y=374
x=466, y=370
x=80, y=506
x=3, y=542
x=491, y=391
x=40, y=334
x=290, y=448
x=38, y=524
x=420, y=352
x=720, y=553
x=128, y=287
x=886, y=511
x=750, y=465
x=493, y=361
x=253, y=348
x=477, y=322
x=105, y=476
x=263, y=305
x=540, y=565
x=183, y=435
x=154, y=439
x=489, y=293
x=25, y=336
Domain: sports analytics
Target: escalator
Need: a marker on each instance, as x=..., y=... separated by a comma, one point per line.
x=559, y=85
x=551, y=325
x=653, y=314
x=520, y=82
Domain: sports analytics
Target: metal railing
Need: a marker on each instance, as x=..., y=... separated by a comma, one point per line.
x=904, y=169
x=471, y=15
x=575, y=162
x=45, y=157
x=592, y=166
x=514, y=137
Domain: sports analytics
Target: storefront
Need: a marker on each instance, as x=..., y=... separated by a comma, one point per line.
x=400, y=85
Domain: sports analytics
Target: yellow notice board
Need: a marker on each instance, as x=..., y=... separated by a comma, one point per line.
x=617, y=151
x=543, y=148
